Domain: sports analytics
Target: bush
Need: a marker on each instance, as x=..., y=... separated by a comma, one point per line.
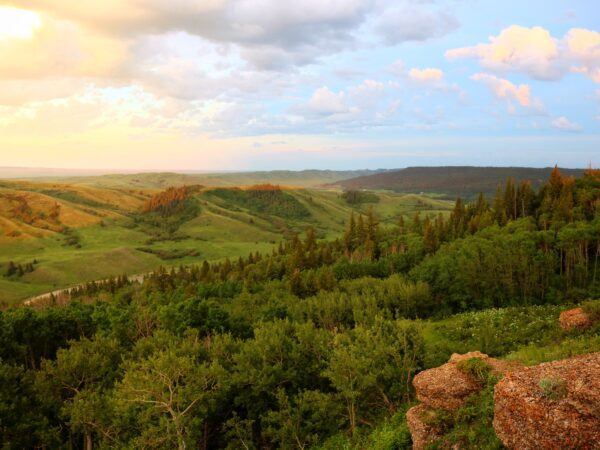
x=553, y=388
x=476, y=367
x=592, y=309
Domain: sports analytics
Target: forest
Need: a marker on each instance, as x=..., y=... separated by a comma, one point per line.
x=313, y=344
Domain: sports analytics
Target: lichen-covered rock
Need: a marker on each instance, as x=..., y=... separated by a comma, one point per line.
x=574, y=318
x=553, y=405
x=447, y=387
x=423, y=431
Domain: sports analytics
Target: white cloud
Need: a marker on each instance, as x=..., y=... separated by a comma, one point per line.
x=562, y=123
x=433, y=79
x=535, y=52
x=367, y=94
x=397, y=68
x=510, y=93
x=426, y=75
x=407, y=23
x=325, y=102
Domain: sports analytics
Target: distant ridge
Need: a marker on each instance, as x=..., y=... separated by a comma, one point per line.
x=451, y=180
x=161, y=180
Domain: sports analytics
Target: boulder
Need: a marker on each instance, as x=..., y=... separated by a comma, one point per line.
x=446, y=387
x=574, y=318
x=553, y=405
x=423, y=431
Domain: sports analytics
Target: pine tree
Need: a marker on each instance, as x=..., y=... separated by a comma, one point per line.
x=11, y=270
x=430, y=241
x=401, y=226
x=510, y=199
x=310, y=241
x=350, y=235
x=499, y=207
x=372, y=226
x=416, y=223
x=295, y=283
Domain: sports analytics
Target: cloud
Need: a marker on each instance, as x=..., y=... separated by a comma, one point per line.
x=269, y=33
x=584, y=50
x=564, y=124
x=407, y=23
x=367, y=94
x=505, y=90
x=426, y=75
x=432, y=79
x=529, y=50
x=325, y=102
x=533, y=51
x=397, y=68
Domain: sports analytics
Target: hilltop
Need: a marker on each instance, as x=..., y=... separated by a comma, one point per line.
x=162, y=180
x=466, y=181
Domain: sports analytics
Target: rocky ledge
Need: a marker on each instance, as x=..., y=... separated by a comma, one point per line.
x=445, y=387
x=552, y=405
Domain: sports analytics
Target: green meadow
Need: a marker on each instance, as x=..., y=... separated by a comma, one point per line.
x=224, y=225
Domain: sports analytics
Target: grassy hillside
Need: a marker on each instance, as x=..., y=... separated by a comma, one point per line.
x=303, y=178
x=81, y=232
x=452, y=181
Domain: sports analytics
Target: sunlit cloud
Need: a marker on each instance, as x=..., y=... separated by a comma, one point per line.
x=144, y=76
x=535, y=52
x=510, y=93
x=426, y=75
x=17, y=23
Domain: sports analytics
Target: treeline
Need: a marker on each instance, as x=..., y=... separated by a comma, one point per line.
x=312, y=345
x=264, y=199
x=13, y=269
x=168, y=201
x=354, y=197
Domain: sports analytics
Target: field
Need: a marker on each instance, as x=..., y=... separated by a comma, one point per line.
x=86, y=229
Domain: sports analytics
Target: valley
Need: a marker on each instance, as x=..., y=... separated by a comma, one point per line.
x=87, y=229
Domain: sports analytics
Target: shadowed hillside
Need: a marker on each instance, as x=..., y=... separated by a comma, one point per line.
x=463, y=181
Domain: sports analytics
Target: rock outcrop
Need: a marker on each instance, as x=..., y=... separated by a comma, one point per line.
x=553, y=405
x=574, y=318
x=445, y=387
x=423, y=431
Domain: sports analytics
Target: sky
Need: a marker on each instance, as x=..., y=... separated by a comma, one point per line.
x=271, y=84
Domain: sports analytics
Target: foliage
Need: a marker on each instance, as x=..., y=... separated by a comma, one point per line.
x=313, y=344
x=592, y=309
x=470, y=427
x=553, y=389
x=476, y=367
x=264, y=199
x=354, y=197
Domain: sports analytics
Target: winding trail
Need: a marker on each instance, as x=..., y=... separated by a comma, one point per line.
x=64, y=292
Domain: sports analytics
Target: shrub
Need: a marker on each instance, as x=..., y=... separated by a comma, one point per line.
x=476, y=367
x=553, y=388
x=592, y=309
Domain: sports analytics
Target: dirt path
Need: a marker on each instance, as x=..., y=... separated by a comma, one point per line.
x=66, y=292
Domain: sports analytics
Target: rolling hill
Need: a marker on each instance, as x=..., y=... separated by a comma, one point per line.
x=145, y=180
x=84, y=232
x=452, y=181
